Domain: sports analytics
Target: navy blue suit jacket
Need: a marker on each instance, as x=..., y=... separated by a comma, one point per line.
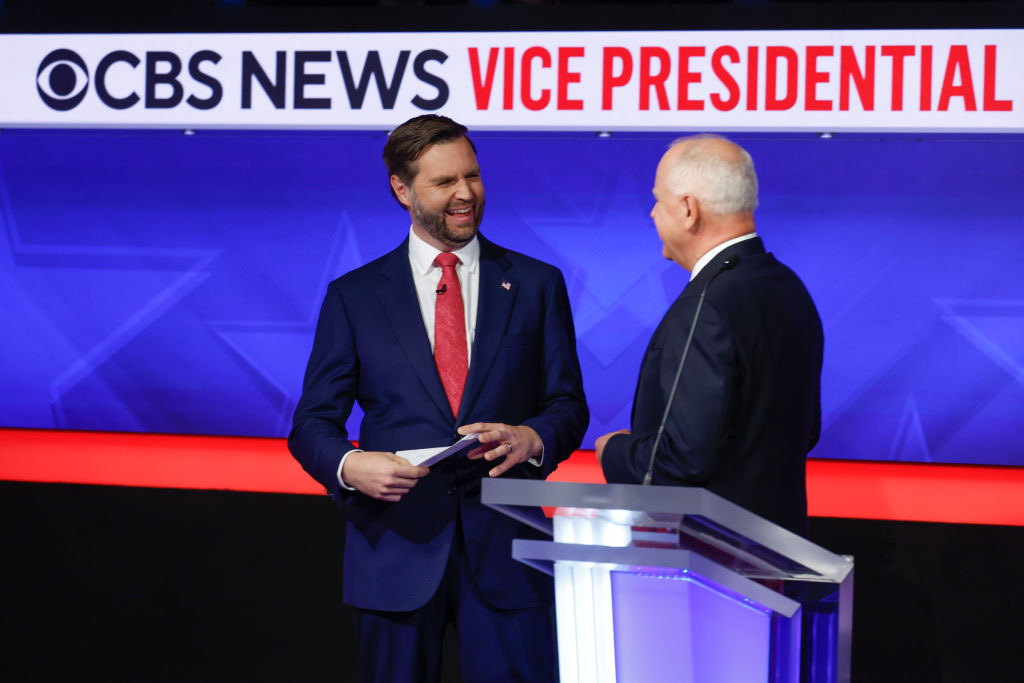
x=747, y=409
x=371, y=346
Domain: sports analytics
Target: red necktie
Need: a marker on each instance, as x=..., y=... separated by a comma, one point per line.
x=450, y=352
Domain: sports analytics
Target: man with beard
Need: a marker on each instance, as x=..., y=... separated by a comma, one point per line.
x=447, y=335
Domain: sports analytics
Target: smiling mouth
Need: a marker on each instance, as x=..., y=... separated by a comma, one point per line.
x=462, y=216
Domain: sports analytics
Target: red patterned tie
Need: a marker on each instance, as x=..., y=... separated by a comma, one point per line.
x=450, y=352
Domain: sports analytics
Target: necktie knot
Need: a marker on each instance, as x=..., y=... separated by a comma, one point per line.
x=446, y=259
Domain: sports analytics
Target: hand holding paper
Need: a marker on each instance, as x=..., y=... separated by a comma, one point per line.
x=384, y=476
x=516, y=444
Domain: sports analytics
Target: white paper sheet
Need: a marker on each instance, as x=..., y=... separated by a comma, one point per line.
x=428, y=457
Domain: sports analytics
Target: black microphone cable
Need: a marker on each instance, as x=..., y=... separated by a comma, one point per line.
x=727, y=264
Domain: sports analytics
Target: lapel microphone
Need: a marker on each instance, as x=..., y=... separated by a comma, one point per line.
x=442, y=290
x=727, y=264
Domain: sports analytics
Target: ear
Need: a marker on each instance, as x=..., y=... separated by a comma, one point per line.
x=690, y=211
x=401, y=191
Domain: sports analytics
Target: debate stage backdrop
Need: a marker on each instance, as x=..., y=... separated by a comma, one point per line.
x=156, y=281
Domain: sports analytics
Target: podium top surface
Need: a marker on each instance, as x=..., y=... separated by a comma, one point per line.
x=697, y=517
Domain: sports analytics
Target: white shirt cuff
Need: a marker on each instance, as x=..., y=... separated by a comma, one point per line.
x=342, y=464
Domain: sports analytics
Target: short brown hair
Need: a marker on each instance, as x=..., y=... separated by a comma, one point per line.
x=407, y=143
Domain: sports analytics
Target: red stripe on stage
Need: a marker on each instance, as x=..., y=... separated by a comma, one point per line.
x=916, y=492
x=158, y=460
x=853, y=489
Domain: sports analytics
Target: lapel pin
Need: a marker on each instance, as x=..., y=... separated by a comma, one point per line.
x=506, y=285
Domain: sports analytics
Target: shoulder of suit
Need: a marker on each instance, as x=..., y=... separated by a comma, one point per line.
x=490, y=250
x=366, y=273
x=743, y=286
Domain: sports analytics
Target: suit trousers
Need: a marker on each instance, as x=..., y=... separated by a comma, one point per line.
x=494, y=644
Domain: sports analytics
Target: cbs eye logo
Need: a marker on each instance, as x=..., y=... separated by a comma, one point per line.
x=62, y=80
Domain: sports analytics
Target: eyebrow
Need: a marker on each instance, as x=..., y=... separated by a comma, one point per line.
x=444, y=179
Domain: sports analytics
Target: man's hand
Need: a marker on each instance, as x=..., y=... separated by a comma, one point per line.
x=383, y=476
x=602, y=441
x=515, y=444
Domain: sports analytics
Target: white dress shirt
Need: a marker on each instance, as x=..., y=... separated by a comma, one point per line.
x=426, y=277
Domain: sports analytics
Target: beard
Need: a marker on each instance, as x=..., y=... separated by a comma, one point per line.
x=436, y=224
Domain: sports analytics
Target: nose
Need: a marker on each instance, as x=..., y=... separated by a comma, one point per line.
x=463, y=190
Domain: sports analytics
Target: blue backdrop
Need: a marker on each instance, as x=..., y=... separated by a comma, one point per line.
x=162, y=282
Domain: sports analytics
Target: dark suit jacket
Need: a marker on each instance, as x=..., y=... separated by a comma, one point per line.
x=371, y=346
x=747, y=408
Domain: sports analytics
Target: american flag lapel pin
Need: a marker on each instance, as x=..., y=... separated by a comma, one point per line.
x=506, y=285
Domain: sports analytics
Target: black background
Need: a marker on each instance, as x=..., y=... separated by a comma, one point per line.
x=132, y=584
x=74, y=16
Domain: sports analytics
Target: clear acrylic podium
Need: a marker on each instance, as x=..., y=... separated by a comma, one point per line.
x=665, y=583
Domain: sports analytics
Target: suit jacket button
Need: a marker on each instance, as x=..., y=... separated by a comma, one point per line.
x=451, y=491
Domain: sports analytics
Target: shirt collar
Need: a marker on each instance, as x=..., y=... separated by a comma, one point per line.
x=422, y=255
x=706, y=258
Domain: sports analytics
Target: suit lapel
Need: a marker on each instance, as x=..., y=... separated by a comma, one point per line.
x=496, y=296
x=397, y=296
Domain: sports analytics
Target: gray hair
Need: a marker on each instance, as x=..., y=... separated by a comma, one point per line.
x=724, y=184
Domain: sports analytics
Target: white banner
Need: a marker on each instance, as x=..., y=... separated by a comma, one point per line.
x=906, y=80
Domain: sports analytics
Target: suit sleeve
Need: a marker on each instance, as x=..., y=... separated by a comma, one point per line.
x=695, y=428
x=318, y=438
x=562, y=411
